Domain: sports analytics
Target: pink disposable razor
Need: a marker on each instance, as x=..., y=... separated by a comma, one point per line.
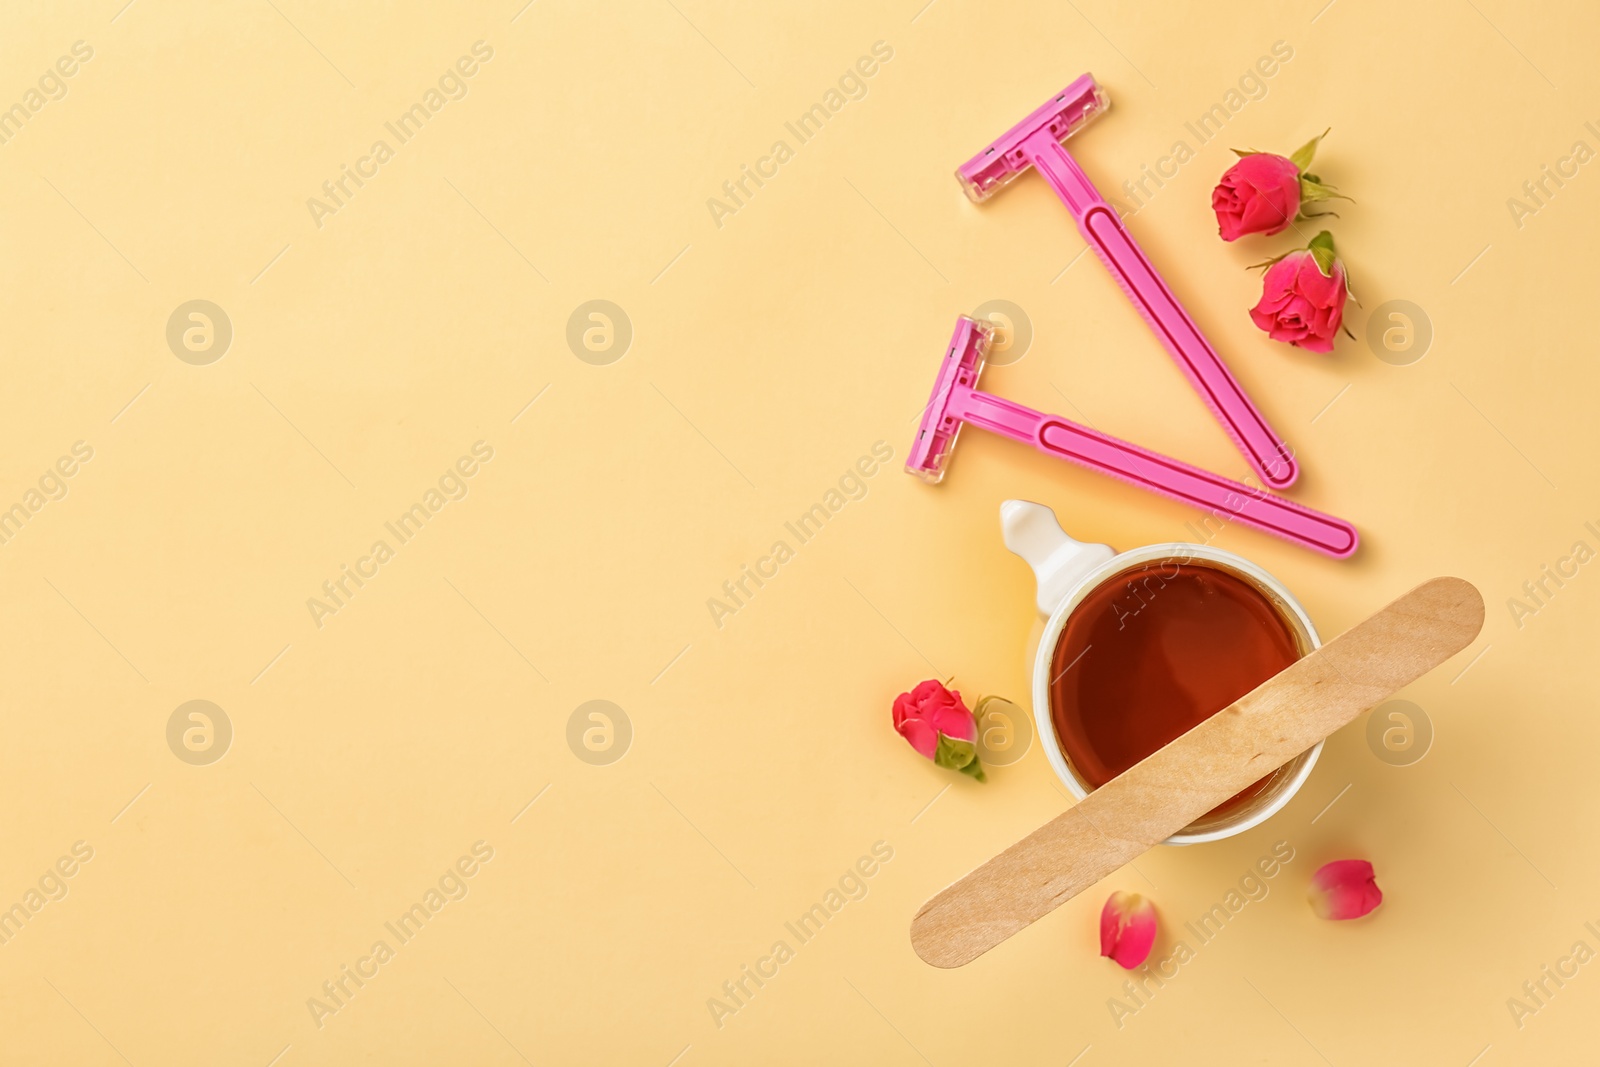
x=956, y=400
x=1036, y=142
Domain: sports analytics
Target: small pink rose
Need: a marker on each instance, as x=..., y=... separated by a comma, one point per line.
x=1303, y=295
x=1264, y=193
x=1258, y=194
x=1344, y=889
x=1127, y=929
x=939, y=726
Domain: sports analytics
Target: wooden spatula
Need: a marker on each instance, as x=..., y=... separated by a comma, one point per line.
x=1168, y=790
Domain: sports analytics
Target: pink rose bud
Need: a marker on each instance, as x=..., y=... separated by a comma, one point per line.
x=939, y=726
x=1258, y=194
x=1303, y=295
x=1264, y=193
x=1344, y=889
x=1127, y=929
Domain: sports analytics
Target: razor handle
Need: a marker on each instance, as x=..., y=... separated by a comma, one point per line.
x=1098, y=221
x=1225, y=499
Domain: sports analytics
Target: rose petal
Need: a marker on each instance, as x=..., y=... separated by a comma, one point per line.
x=954, y=720
x=1299, y=309
x=1321, y=289
x=1344, y=889
x=1336, y=314
x=923, y=737
x=1279, y=280
x=1277, y=289
x=1127, y=929
x=1265, y=214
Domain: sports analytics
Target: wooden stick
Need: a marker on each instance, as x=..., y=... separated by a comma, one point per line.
x=1169, y=789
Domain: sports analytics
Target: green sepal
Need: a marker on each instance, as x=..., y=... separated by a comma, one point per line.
x=1265, y=263
x=1313, y=189
x=1301, y=157
x=958, y=756
x=1242, y=152
x=1321, y=248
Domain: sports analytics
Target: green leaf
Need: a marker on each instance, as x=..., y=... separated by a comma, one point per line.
x=1301, y=157
x=958, y=756
x=1321, y=248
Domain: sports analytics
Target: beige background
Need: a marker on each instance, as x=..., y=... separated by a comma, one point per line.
x=768, y=355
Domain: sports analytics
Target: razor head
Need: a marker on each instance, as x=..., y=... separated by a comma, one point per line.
x=1002, y=162
x=936, y=436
